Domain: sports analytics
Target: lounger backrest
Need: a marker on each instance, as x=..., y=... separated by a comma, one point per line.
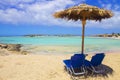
x=97, y=59
x=79, y=56
x=77, y=60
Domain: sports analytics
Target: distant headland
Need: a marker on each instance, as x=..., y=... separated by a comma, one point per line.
x=59, y=35
x=112, y=35
x=116, y=35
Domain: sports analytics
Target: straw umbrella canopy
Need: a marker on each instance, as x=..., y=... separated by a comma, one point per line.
x=83, y=12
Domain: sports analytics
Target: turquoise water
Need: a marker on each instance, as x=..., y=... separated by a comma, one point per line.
x=91, y=43
x=41, y=40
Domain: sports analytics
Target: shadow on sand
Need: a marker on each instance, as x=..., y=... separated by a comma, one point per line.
x=104, y=74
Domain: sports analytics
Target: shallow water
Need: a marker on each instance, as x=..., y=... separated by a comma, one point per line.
x=55, y=44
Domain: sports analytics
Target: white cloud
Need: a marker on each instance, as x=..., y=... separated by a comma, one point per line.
x=110, y=5
x=41, y=13
x=116, y=7
x=15, y=1
x=38, y=12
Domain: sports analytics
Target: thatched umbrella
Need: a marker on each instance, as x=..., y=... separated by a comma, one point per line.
x=84, y=12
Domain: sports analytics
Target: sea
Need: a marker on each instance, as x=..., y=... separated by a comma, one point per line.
x=68, y=45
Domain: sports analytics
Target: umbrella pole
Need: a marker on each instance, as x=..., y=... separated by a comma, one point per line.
x=83, y=32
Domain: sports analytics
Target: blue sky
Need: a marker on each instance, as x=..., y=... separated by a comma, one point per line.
x=20, y=17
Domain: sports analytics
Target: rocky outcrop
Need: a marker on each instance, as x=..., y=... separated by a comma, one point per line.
x=11, y=47
x=3, y=46
x=7, y=49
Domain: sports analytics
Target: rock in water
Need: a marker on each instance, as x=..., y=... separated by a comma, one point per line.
x=14, y=47
x=3, y=46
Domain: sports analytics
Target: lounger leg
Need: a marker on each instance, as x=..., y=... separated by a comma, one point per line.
x=70, y=72
x=85, y=69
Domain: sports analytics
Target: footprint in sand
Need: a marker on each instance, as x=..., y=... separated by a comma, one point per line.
x=52, y=74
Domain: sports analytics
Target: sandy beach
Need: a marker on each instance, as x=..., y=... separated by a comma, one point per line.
x=37, y=35
x=49, y=67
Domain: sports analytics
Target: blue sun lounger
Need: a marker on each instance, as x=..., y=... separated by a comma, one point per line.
x=95, y=62
x=75, y=65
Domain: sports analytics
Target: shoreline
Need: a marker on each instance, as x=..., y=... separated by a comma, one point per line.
x=55, y=49
x=50, y=66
